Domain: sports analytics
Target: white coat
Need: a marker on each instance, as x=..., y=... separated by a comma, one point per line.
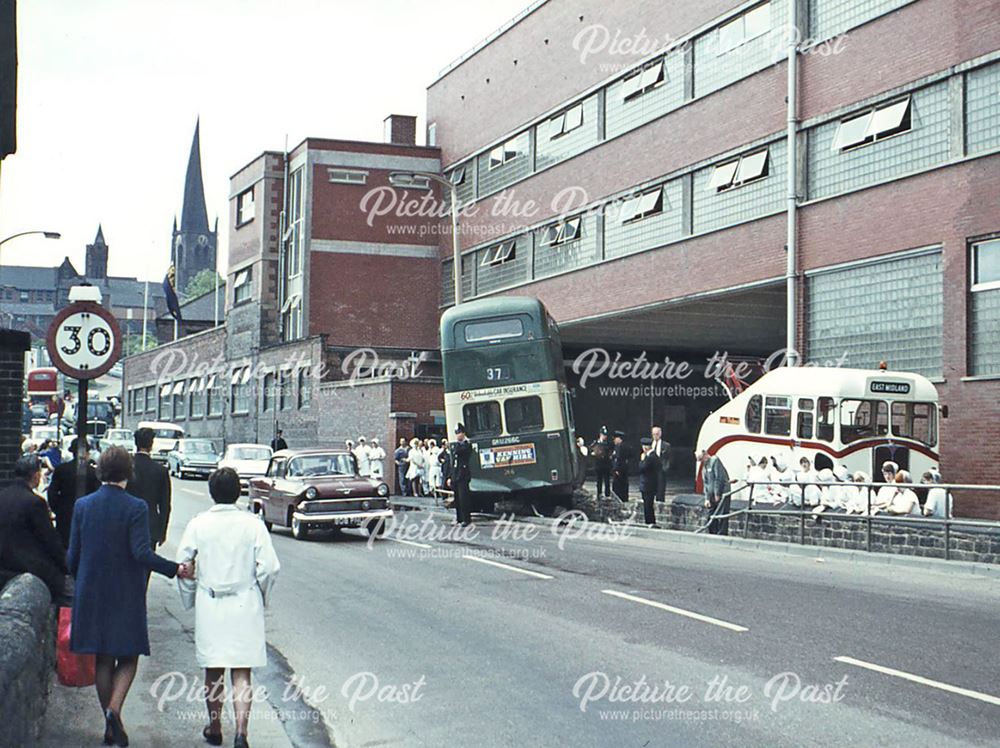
x=233, y=554
x=377, y=456
x=363, y=455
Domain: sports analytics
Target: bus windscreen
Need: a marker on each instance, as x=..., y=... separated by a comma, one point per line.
x=494, y=329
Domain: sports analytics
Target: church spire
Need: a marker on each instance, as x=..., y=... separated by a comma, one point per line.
x=99, y=239
x=194, y=216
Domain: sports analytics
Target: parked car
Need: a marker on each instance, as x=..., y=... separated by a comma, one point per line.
x=197, y=457
x=119, y=438
x=248, y=460
x=41, y=433
x=165, y=436
x=309, y=489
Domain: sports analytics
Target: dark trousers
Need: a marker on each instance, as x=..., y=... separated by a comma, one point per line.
x=649, y=513
x=620, y=486
x=463, y=508
x=719, y=526
x=404, y=485
x=603, y=479
x=661, y=484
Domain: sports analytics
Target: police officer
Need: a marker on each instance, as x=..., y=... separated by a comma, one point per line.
x=600, y=450
x=619, y=466
x=460, y=475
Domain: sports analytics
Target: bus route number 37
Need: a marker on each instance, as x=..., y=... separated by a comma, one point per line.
x=497, y=373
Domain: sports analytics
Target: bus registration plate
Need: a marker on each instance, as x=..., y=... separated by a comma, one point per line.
x=507, y=456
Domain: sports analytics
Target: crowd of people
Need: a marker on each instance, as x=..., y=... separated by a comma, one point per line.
x=770, y=480
x=92, y=537
x=369, y=457
x=422, y=466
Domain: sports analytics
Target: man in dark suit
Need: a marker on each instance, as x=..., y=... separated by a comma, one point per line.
x=649, y=472
x=401, y=458
x=62, y=492
x=461, y=475
x=662, y=451
x=600, y=451
x=151, y=483
x=619, y=466
x=278, y=443
x=28, y=541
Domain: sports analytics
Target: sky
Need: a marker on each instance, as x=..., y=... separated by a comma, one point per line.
x=109, y=92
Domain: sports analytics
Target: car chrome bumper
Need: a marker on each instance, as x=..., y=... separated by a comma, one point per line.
x=341, y=518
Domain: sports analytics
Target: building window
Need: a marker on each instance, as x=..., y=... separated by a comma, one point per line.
x=501, y=253
x=305, y=388
x=150, y=399
x=347, y=176
x=984, y=309
x=457, y=176
x=241, y=286
x=562, y=233
x=163, y=411
x=244, y=207
x=240, y=390
x=196, y=392
x=432, y=134
x=180, y=404
x=640, y=206
x=643, y=80
x=410, y=181
x=739, y=171
x=504, y=153
x=875, y=124
x=291, y=318
x=565, y=122
x=284, y=385
x=755, y=22
x=213, y=394
x=266, y=395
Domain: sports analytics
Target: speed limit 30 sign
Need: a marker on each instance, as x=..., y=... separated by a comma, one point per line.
x=84, y=341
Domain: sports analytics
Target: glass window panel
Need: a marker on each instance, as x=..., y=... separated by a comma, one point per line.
x=723, y=175
x=753, y=415
x=482, y=419
x=523, y=414
x=651, y=202
x=731, y=35
x=863, y=419
x=752, y=166
x=986, y=259
x=888, y=119
x=494, y=329
x=852, y=131
x=574, y=118
x=557, y=125
x=652, y=75
x=629, y=209
x=757, y=21
x=496, y=157
x=631, y=86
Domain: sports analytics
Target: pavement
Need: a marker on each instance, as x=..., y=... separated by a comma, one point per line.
x=511, y=634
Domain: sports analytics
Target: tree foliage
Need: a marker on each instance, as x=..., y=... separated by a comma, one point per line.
x=202, y=283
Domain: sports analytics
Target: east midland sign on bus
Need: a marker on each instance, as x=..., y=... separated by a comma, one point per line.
x=84, y=341
x=890, y=388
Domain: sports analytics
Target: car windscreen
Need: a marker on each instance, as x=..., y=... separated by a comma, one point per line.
x=168, y=433
x=199, y=447
x=249, y=453
x=122, y=434
x=315, y=465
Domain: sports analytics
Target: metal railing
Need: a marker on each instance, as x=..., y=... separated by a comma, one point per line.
x=803, y=512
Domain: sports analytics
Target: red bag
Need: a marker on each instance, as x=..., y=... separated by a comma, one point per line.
x=74, y=669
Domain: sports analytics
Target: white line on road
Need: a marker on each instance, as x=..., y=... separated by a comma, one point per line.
x=678, y=611
x=921, y=680
x=509, y=568
x=407, y=542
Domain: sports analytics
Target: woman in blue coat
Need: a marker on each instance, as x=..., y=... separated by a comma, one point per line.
x=111, y=557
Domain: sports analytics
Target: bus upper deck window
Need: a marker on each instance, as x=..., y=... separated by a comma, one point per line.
x=753, y=415
x=824, y=420
x=482, y=419
x=523, y=414
x=804, y=429
x=778, y=416
x=493, y=329
x=863, y=419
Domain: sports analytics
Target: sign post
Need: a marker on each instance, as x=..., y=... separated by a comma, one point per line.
x=84, y=342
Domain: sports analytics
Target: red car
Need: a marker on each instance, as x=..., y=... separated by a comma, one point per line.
x=309, y=489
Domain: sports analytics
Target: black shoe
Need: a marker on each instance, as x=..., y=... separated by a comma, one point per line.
x=241, y=742
x=118, y=735
x=212, y=738
x=108, y=734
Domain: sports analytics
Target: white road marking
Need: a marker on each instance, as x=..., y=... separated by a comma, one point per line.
x=678, y=611
x=921, y=680
x=407, y=542
x=509, y=568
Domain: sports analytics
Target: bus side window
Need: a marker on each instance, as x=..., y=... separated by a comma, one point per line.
x=482, y=419
x=753, y=415
x=523, y=414
x=824, y=423
x=778, y=416
x=806, y=417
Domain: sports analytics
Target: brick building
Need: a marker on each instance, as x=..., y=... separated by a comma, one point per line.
x=316, y=293
x=659, y=171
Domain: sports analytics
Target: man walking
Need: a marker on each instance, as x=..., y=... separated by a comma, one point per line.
x=662, y=451
x=461, y=476
x=62, y=490
x=151, y=483
x=649, y=470
x=278, y=443
x=715, y=480
x=619, y=466
x=600, y=450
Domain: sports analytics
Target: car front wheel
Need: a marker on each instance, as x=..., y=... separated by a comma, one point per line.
x=299, y=529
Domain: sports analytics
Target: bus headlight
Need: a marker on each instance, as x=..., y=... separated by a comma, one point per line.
x=311, y=493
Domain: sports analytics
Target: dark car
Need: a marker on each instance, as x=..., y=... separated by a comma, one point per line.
x=309, y=489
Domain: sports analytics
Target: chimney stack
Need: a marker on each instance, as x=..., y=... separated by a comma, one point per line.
x=401, y=129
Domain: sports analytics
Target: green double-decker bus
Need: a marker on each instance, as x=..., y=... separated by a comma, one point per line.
x=504, y=379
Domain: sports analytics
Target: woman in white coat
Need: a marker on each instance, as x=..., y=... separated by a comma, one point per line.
x=417, y=467
x=377, y=463
x=235, y=567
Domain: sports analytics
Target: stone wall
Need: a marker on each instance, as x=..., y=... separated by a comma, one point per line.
x=898, y=535
x=27, y=655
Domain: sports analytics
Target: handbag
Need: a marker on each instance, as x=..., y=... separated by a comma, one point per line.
x=77, y=670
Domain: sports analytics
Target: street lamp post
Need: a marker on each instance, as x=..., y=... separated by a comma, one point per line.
x=455, y=249
x=47, y=234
